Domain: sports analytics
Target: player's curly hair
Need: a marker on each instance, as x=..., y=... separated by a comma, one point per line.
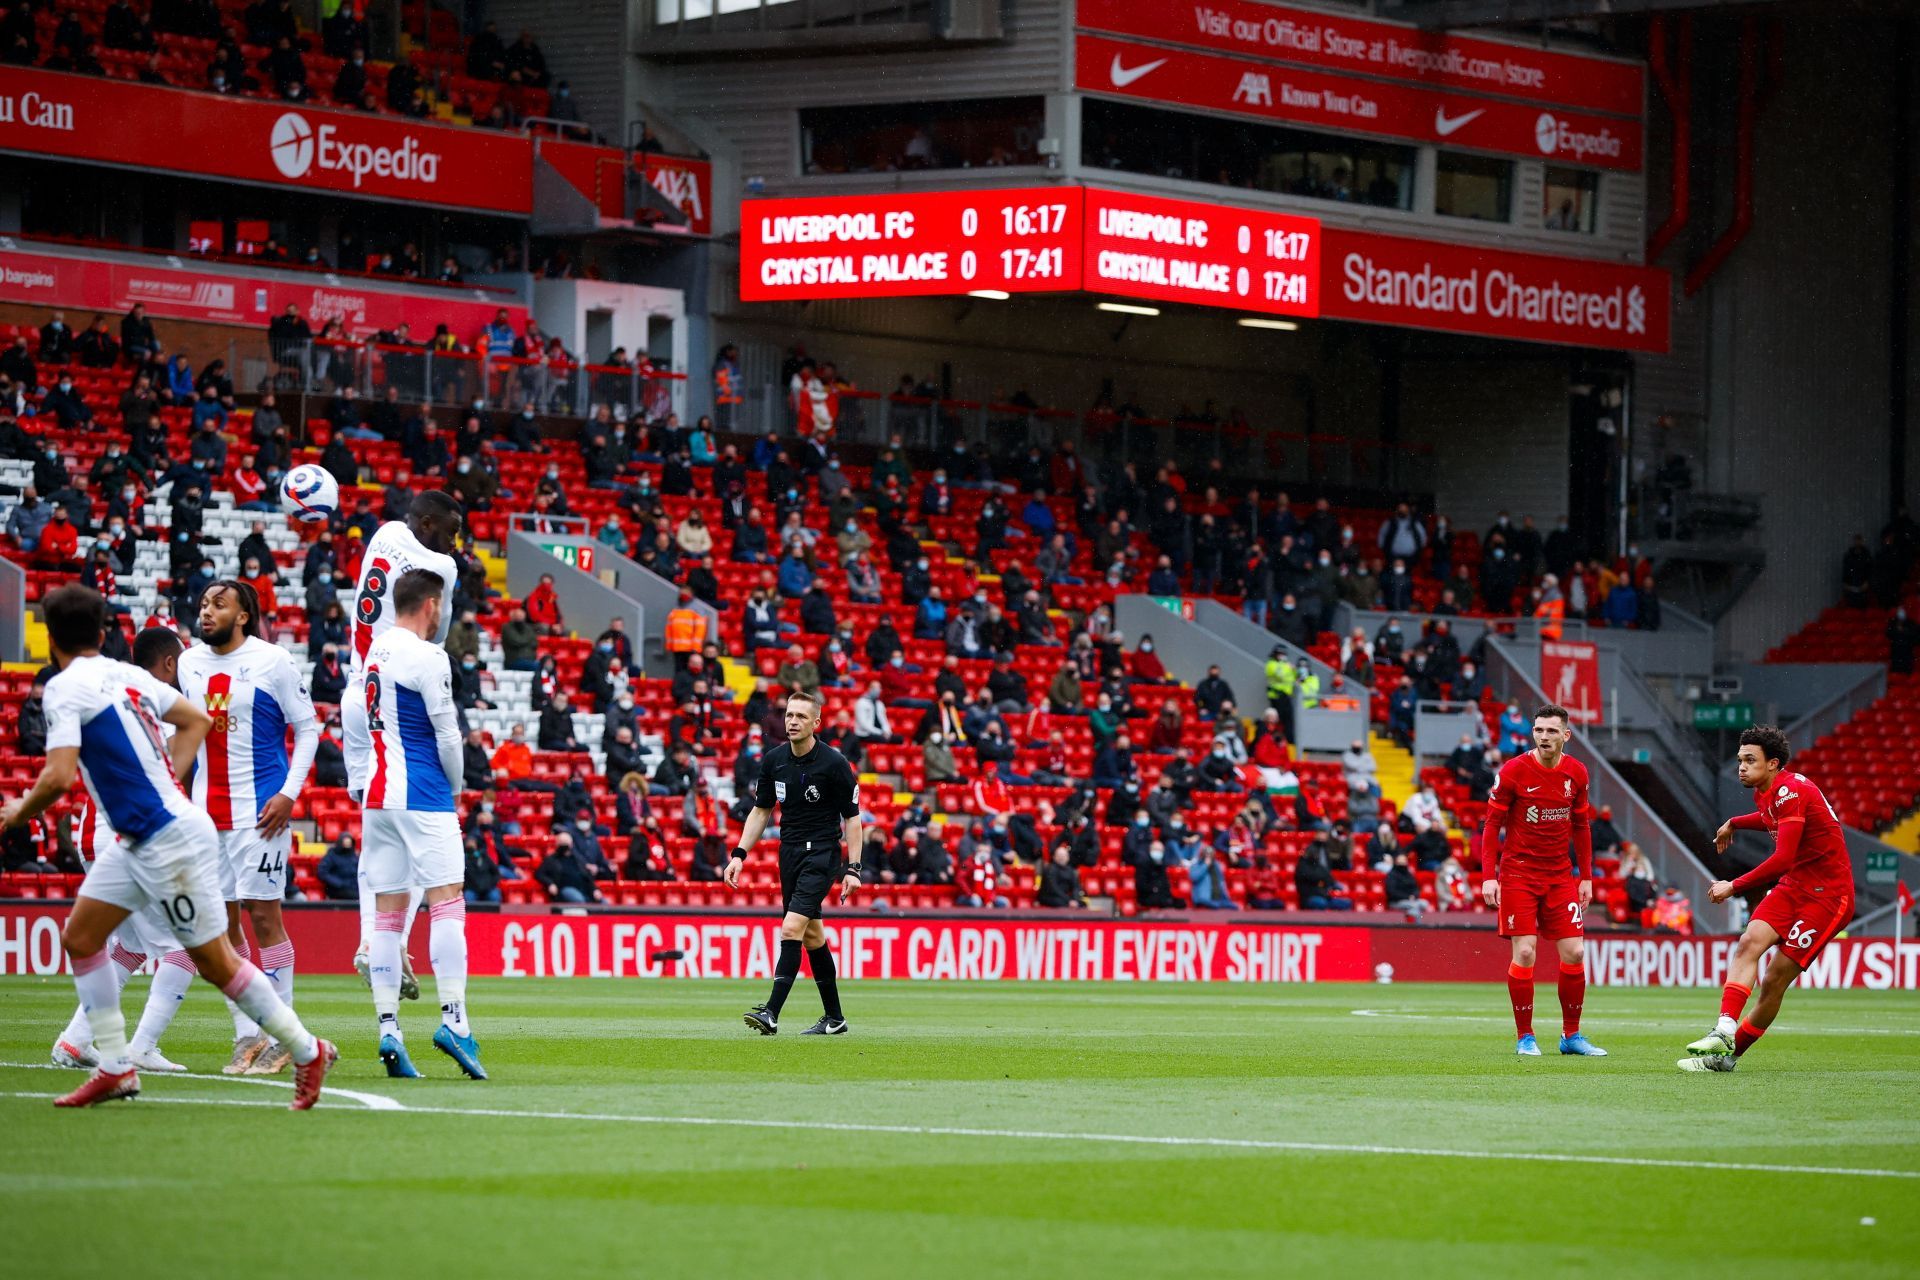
x=1773, y=744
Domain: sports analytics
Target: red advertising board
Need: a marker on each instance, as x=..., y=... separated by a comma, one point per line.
x=1062, y=239
x=910, y=243
x=686, y=184
x=73, y=117
x=1339, y=42
x=1215, y=255
x=223, y=298
x=1570, y=673
x=1347, y=104
x=992, y=948
x=1425, y=284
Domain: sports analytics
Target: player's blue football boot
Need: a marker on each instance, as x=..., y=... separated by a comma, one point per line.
x=393, y=1052
x=1579, y=1046
x=1528, y=1047
x=464, y=1051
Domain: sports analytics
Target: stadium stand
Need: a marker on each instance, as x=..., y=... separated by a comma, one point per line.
x=978, y=549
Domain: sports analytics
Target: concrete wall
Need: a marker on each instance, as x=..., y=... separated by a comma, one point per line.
x=1796, y=350
x=1500, y=435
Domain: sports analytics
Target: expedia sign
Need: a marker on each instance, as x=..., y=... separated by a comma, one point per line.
x=103, y=121
x=297, y=146
x=1557, y=137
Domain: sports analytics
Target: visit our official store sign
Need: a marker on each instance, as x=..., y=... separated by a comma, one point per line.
x=993, y=948
x=76, y=117
x=1386, y=50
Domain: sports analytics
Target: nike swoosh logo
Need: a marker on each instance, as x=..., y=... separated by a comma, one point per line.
x=1446, y=128
x=1124, y=76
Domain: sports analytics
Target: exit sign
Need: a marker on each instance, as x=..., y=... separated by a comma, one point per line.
x=1883, y=866
x=573, y=557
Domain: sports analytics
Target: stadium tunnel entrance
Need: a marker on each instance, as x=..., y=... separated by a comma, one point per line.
x=1363, y=413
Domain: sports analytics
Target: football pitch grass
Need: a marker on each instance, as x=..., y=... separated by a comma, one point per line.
x=638, y=1129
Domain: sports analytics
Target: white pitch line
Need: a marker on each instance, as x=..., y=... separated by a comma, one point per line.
x=371, y=1101
x=1111, y=1139
x=1628, y=1022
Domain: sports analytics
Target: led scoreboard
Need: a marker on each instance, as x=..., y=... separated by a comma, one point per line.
x=1038, y=240
x=910, y=243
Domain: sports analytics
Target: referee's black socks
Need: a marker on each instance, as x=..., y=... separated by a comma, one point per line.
x=825, y=976
x=785, y=970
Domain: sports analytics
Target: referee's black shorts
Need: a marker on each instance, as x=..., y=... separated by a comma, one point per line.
x=806, y=876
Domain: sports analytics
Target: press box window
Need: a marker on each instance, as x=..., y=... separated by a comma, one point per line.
x=1573, y=200
x=979, y=133
x=1473, y=187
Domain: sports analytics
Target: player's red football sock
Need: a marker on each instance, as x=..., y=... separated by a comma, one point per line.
x=1520, y=991
x=1734, y=999
x=1743, y=1038
x=1573, y=994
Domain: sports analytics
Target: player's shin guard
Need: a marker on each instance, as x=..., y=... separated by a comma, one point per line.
x=1520, y=992
x=276, y=962
x=170, y=982
x=93, y=978
x=1573, y=994
x=447, y=949
x=1742, y=1039
x=252, y=992
x=383, y=968
x=1733, y=1000
x=826, y=977
x=785, y=970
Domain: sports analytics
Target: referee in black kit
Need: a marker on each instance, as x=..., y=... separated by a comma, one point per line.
x=819, y=804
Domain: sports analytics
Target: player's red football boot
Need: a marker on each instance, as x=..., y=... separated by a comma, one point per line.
x=103, y=1086
x=307, y=1079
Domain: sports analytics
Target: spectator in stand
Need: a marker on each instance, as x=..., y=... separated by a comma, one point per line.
x=543, y=606
x=350, y=84
x=339, y=870
x=137, y=338
x=1636, y=872
x=59, y=546
x=66, y=406
x=16, y=363
x=56, y=338
x=288, y=336
x=556, y=726
x=1606, y=837
x=1673, y=912
x=1402, y=888
x=525, y=63
x=487, y=54
x=1903, y=638
x=565, y=875
x=1314, y=883
x=27, y=521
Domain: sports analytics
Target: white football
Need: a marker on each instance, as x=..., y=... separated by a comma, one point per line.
x=309, y=494
x=1383, y=973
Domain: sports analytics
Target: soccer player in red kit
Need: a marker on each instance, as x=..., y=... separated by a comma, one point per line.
x=1811, y=900
x=1540, y=800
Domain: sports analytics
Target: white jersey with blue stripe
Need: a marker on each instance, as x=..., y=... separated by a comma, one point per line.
x=415, y=730
x=111, y=711
x=253, y=694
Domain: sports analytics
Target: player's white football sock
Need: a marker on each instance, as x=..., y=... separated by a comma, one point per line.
x=244, y=1027
x=1726, y=1026
x=366, y=909
x=414, y=898
x=447, y=949
x=125, y=964
x=99, y=988
x=277, y=963
x=252, y=992
x=170, y=982
x=383, y=968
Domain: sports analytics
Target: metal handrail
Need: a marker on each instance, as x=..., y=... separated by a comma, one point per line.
x=1634, y=817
